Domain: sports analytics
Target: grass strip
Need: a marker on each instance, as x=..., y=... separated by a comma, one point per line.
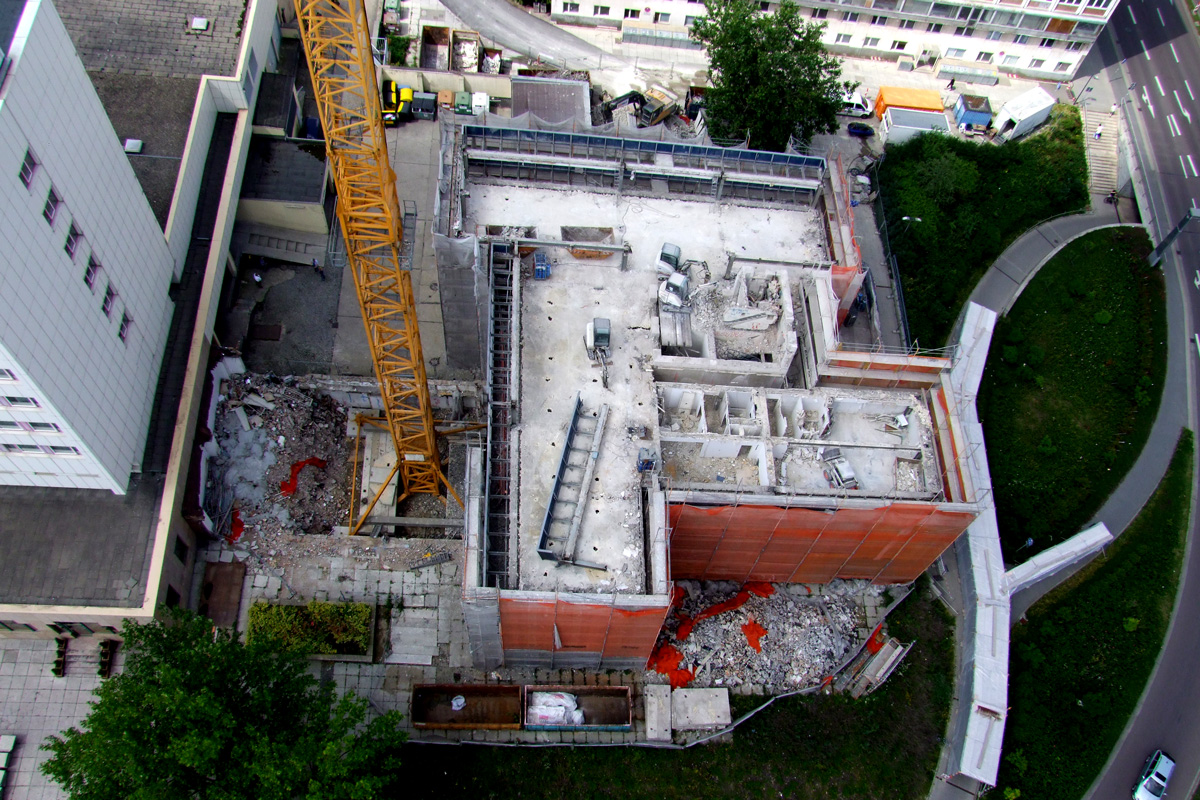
x=1073, y=379
x=1080, y=663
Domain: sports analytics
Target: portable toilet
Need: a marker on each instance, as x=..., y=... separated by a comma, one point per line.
x=479, y=103
x=971, y=109
x=462, y=102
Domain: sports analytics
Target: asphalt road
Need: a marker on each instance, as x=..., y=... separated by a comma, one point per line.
x=517, y=30
x=1158, y=53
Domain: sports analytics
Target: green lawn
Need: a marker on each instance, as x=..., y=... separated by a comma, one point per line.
x=883, y=747
x=1080, y=663
x=968, y=201
x=1071, y=386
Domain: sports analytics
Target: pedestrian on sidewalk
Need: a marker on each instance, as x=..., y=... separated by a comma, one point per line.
x=1113, y=110
x=950, y=85
x=320, y=271
x=1099, y=130
x=257, y=279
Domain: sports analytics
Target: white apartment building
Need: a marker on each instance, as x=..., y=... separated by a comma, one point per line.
x=84, y=272
x=1042, y=39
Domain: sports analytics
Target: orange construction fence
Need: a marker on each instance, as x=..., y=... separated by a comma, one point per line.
x=888, y=544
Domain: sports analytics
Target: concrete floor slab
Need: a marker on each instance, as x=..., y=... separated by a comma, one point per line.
x=699, y=709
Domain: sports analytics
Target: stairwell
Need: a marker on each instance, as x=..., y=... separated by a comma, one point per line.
x=1102, y=152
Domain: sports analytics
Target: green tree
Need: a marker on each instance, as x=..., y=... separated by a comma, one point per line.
x=197, y=714
x=771, y=75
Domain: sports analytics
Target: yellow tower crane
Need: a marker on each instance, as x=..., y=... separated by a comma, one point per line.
x=337, y=44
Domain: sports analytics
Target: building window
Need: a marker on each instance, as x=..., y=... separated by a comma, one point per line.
x=908, y=24
x=850, y=16
x=44, y=427
x=1021, y=38
x=20, y=402
x=984, y=57
x=13, y=625
x=600, y=11
x=1074, y=46
x=50, y=210
x=64, y=450
x=878, y=20
x=871, y=41
x=28, y=167
x=661, y=17
x=172, y=596
x=964, y=31
x=1037, y=63
x=181, y=549
x=10, y=425
x=820, y=13
x=690, y=21
x=843, y=38
x=1097, y=3
x=123, y=331
x=89, y=275
x=72, y=243
x=632, y=13
x=933, y=27
x=571, y=8
x=765, y=5
x=898, y=45
x=994, y=36
x=1048, y=42
x=23, y=449
x=955, y=52
x=7, y=375
x=110, y=295
x=1062, y=66
x=1010, y=60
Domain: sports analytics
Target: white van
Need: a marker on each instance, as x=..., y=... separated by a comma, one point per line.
x=855, y=105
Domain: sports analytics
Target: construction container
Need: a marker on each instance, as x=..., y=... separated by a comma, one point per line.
x=541, y=266
x=445, y=99
x=465, y=51
x=971, y=109
x=605, y=708
x=901, y=97
x=462, y=102
x=435, y=48
x=489, y=707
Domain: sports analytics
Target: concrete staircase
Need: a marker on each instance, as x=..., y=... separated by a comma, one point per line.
x=1101, y=153
x=297, y=247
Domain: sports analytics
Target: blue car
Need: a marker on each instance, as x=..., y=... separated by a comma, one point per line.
x=860, y=129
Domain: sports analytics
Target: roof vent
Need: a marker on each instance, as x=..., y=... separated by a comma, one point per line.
x=198, y=24
x=133, y=145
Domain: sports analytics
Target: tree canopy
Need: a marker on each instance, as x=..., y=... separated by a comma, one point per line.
x=771, y=75
x=197, y=714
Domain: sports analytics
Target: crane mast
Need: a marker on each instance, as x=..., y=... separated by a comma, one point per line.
x=337, y=45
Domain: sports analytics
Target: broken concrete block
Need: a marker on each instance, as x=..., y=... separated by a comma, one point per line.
x=256, y=400
x=657, y=697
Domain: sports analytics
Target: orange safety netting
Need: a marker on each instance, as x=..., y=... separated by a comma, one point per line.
x=665, y=661
x=754, y=632
x=288, y=487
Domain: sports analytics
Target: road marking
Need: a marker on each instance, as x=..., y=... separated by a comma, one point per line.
x=1183, y=166
x=1160, y=18
x=1131, y=16
x=1145, y=50
x=1173, y=125
x=1198, y=343
x=1188, y=86
x=1172, y=45
x=1196, y=281
x=1193, y=165
x=1158, y=83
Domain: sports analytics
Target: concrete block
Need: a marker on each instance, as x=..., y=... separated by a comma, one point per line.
x=699, y=709
x=657, y=699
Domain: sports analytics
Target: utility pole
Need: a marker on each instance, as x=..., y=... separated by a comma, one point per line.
x=1156, y=256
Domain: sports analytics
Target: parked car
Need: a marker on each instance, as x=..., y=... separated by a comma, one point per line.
x=860, y=129
x=1152, y=785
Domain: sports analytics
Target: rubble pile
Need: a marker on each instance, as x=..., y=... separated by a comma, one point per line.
x=283, y=464
x=801, y=638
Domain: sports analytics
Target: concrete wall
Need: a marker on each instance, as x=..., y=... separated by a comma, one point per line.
x=100, y=387
x=496, y=86
x=305, y=217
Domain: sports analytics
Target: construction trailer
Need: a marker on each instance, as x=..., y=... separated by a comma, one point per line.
x=973, y=110
x=1021, y=115
x=574, y=535
x=904, y=97
x=901, y=124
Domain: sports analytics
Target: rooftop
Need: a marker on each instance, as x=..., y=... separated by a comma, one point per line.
x=282, y=170
x=552, y=99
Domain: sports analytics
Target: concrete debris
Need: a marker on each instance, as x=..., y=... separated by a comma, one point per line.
x=807, y=636
x=256, y=469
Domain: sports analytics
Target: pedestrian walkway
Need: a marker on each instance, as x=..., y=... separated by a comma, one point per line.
x=1102, y=151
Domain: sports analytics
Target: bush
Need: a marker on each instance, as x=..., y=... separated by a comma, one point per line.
x=973, y=200
x=398, y=49
x=1104, y=629
x=317, y=628
x=1068, y=399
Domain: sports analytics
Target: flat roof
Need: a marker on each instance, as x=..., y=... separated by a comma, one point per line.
x=555, y=367
x=78, y=546
x=284, y=170
x=552, y=99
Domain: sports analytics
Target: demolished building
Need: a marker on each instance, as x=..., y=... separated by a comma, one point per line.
x=725, y=431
